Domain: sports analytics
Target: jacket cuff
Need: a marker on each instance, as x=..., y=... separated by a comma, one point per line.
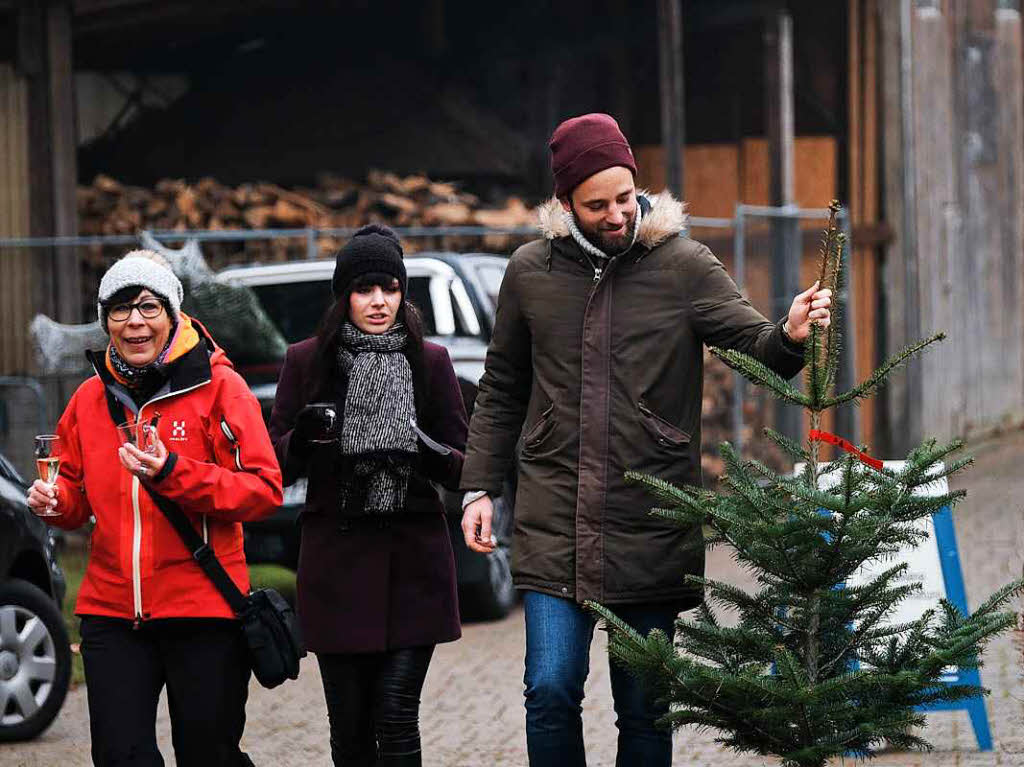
x=168, y=467
x=793, y=347
x=471, y=496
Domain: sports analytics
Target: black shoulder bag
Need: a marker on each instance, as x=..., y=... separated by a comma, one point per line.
x=268, y=622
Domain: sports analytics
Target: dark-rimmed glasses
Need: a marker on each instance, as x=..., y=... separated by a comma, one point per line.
x=149, y=308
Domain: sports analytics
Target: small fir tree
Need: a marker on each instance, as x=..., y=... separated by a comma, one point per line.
x=812, y=670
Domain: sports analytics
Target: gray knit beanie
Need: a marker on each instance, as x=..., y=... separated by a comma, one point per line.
x=146, y=269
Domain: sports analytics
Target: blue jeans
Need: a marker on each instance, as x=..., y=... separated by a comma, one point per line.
x=558, y=634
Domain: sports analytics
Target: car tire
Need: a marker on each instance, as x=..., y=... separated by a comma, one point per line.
x=35, y=660
x=493, y=597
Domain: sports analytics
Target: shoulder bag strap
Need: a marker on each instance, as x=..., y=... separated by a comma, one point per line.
x=201, y=551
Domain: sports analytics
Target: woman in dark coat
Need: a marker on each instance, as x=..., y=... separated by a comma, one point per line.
x=376, y=580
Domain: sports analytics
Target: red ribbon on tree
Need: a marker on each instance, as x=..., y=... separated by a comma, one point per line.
x=825, y=436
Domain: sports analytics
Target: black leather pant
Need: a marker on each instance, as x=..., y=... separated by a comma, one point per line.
x=373, y=703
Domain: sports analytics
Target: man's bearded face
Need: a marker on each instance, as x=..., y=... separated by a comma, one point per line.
x=604, y=206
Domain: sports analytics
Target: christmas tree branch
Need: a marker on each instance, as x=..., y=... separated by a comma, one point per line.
x=760, y=374
x=878, y=377
x=788, y=446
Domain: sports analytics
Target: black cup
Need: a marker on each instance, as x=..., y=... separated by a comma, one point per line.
x=327, y=417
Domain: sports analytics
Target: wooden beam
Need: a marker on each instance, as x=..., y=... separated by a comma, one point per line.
x=779, y=110
x=44, y=60
x=786, y=254
x=31, y=65
x=63, y=163
x=855, y=90
x=15, y=265
x=670, y=60
x=1010, y=73
x=912, y=394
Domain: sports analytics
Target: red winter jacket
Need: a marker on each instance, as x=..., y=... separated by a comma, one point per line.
x=221, y=471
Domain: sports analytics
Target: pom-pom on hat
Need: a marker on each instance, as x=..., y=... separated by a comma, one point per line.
x=373, y=248
x=585, y=145
x=145, y=269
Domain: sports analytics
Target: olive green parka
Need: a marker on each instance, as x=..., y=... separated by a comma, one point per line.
x=590, y=377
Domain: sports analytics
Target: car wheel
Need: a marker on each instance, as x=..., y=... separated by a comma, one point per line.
x=35, y=660
x=494, y=596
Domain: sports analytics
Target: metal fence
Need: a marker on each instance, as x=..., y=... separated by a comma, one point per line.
x=27, y=398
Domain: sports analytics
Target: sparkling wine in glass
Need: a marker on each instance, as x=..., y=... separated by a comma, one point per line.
x=47, y=454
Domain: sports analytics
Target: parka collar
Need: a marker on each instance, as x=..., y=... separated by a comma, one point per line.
x=666, y=218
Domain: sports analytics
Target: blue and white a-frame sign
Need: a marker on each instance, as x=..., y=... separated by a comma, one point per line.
x=935, y=564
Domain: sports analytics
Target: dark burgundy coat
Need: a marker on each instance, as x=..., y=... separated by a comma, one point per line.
x=367, y=584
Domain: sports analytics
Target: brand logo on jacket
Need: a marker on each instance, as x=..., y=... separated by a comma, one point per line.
x=178, y=431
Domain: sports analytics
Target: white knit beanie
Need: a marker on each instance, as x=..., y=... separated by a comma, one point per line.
x=146, y=269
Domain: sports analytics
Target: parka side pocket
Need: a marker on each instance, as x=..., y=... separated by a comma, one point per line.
x=541, y=429
x=664, y=433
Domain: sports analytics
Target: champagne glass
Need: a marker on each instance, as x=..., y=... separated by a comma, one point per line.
x=47, y=453
x=327, y=413
x=142, y=434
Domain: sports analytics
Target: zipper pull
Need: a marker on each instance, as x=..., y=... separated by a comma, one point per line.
x=137, y=622
x=597, y=274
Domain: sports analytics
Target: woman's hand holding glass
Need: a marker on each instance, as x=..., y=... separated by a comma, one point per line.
x=147, y=462
x=42, y=495
x=42, y=499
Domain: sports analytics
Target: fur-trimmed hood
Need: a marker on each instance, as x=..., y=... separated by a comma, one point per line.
x=666, y=218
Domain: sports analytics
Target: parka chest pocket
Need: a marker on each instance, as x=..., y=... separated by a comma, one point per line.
x=664, y=433
x=540, y=430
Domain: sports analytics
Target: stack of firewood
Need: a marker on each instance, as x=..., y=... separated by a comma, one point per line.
x=109, y=207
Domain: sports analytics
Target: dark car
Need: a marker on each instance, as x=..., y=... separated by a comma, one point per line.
x=35, y=657
x=457, y=296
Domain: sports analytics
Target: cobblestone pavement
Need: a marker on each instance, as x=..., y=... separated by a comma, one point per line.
x=472, y=712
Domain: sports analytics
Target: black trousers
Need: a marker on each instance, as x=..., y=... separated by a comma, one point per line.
x=204, y=664
x=373, y=704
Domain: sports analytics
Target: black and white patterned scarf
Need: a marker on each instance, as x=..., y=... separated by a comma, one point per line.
x=378, y=442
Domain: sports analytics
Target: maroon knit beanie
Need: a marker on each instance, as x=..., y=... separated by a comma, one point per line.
x=585, y=145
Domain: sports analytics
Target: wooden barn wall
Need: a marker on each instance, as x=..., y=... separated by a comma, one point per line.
x=15, y=265
x=953, y=168
x=863, y=196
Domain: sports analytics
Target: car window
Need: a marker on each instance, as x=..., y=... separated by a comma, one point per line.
x=419, y=294
x=295, y=307
x=460, y=324
x=490, y=276
x=466, y=322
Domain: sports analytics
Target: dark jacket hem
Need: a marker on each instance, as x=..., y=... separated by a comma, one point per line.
x=688, y=598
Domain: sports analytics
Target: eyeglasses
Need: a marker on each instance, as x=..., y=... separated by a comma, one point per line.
x=149, y=308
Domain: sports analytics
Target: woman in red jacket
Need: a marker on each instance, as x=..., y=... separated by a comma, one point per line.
x=376, y=580
x=150, y=616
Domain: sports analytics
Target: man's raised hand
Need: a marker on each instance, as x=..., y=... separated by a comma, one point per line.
x=810, y=306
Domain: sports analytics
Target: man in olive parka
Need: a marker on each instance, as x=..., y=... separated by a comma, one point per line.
x=596, y=365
